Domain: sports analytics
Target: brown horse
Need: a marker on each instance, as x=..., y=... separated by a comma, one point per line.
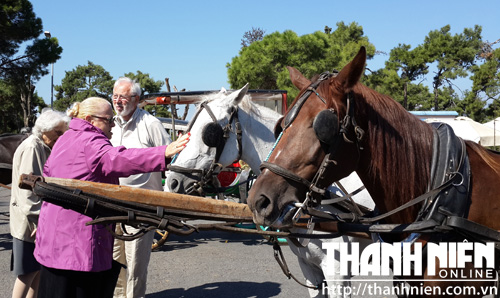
x=8, y=145
x=361, y=130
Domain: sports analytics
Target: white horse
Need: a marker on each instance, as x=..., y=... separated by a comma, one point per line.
x=257, y=139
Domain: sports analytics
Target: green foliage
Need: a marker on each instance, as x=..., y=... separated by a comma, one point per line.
x=420, y=78
x=472, y=106
x=148, y=84
x=441, y=59
x=83, y=82
x=388, y=81
x=263, y=63
x=11, y=118
x=486, y=84
x=18, y=24
x=93, y=80
x=449, y=57
x=20, y=28
x=159, y=110
x=454, y=55
x=410, y=64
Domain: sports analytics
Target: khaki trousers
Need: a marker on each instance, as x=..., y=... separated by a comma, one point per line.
x=135, y=255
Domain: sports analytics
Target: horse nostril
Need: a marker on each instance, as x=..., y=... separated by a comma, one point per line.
x=263, y=203
x=174, y=184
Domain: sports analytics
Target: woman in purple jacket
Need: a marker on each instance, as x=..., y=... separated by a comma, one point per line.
x=77, y=259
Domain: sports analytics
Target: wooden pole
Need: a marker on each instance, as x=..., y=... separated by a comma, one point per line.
x=152, y=197
x=166, y=199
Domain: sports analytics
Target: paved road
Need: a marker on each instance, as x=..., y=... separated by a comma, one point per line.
x=209, y=264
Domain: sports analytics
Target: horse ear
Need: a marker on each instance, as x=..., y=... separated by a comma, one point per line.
x=298, y=79
x=351, y=73
x=239, y=94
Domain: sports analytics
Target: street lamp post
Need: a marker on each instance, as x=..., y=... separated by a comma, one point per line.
x=47, y=34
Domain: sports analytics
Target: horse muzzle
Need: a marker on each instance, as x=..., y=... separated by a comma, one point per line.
x=267, y=214
x=179, y=183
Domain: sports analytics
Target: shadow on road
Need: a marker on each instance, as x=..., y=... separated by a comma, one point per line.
x=175, y=242
x=223, y=289
x=5, y=241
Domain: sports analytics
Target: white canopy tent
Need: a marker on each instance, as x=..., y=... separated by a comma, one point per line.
x=495, y=124
x=468, y=129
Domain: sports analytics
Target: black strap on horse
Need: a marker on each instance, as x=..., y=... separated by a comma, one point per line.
x=280, y=259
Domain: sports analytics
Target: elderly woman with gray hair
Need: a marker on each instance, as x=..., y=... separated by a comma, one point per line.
x=30, y=157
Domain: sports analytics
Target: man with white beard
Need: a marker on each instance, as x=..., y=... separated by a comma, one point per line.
x=135, y=128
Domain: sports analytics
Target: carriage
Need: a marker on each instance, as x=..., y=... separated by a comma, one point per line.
x=337, y=126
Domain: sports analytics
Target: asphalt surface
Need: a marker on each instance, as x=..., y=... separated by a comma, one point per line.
x=208, y=264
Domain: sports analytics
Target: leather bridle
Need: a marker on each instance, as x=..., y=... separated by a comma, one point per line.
x=315, y=192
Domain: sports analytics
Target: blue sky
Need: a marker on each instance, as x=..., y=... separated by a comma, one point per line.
x=191, y=42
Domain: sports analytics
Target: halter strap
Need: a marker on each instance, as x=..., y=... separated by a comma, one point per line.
x=280, y=171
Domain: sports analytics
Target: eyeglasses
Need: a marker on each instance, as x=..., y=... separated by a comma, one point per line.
x=122, y=97
x=109, y=120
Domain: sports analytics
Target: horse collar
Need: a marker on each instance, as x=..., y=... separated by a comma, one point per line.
x=449, y=157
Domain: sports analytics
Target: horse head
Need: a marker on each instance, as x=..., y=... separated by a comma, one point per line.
x=221, y=126
x=319, y=144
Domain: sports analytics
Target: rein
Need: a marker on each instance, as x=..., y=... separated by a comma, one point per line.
x=208, y=177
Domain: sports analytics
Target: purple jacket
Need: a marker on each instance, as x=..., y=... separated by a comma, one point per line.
x=63, y=241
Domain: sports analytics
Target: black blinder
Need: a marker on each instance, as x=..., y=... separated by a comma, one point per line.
x=326, y=126
x=212, y=134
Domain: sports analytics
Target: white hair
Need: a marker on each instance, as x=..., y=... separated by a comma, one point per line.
x=135, y=88
x=48, y=120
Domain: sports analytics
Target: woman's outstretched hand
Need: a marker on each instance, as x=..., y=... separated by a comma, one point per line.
x=177, y=146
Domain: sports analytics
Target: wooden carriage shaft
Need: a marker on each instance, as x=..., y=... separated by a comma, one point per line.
x=166, y=200
x=151, y=197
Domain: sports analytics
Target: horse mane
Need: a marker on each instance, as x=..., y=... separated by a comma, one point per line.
x=401, y=146
x=247, y=105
